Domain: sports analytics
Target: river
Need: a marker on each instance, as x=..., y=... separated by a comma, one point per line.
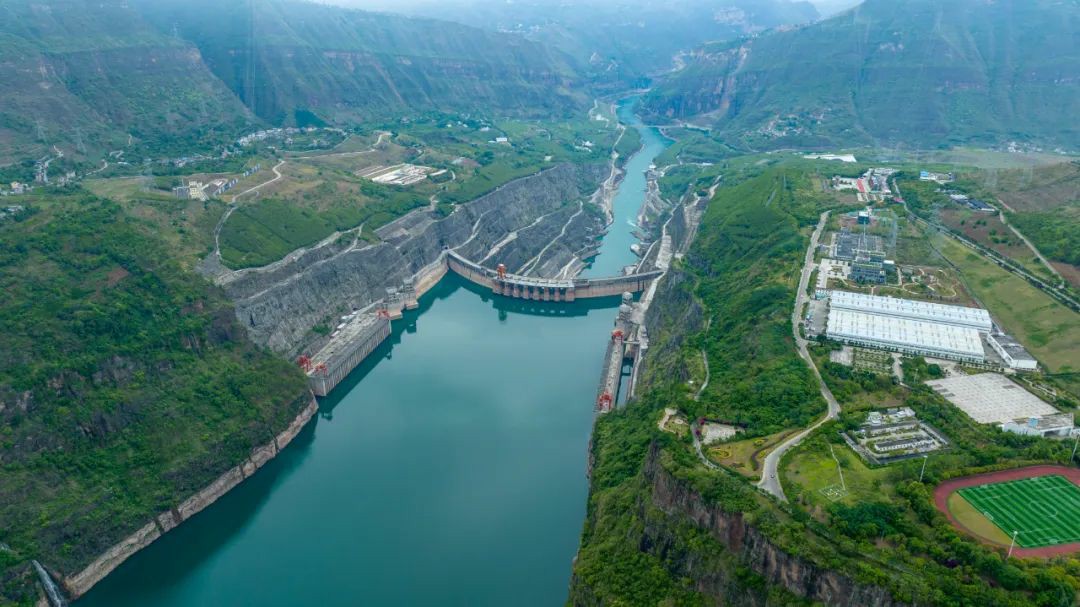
x=448, y=469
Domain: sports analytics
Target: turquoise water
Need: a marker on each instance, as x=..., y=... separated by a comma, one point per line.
x=449, y=469
x=615, y=251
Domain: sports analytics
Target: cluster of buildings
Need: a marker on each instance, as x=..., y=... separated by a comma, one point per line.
x=17, y=188
x=936, y=177
x=872, y=185
x=10, y=211
x=282, y=133
x=991, y=398
x=921, y=328
x=892, y=435
x=864, y=253
x=972, y=203
x=197, y=190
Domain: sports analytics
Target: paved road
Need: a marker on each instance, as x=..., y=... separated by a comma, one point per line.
x=770, y=478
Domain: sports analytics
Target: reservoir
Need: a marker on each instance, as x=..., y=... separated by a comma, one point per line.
x=448, y=469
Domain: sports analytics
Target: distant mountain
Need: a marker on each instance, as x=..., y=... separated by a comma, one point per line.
x=285, y=57
x=161, y=76
x=888, y=72
x=617, y=43
x=82, y=74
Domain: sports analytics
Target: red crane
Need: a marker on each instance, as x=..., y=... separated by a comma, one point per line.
x=304, y=362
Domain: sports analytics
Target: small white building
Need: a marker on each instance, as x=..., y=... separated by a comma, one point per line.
x=1057, y=424
x=1012, y=352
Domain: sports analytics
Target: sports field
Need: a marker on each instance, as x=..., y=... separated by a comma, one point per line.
x=1044, y=510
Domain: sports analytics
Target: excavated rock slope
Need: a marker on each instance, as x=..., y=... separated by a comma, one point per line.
x=537, y=224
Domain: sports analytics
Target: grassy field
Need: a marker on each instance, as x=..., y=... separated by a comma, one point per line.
x=1042, y=511
x=974, y=521
x=813, y=468
x=1048, y=329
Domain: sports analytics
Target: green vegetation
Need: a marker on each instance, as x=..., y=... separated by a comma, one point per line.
x=930, y=74
x=321, y=194
x=641, y=544
x=1042, y=511
x=1047, y=328
x=126, y=384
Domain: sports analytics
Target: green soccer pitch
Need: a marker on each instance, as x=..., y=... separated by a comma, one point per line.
x=1044, y=510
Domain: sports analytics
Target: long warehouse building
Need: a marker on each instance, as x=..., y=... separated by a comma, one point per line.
x=895, y=307
x=905, y=335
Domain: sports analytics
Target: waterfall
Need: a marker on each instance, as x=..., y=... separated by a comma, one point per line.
x=56, y=598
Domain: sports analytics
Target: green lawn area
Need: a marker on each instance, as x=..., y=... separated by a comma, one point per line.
x=1047, y=328
x=1044, y=511
x=813, y=468
x=974, y=521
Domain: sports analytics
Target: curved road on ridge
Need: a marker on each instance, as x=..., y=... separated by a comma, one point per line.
x=770, y=479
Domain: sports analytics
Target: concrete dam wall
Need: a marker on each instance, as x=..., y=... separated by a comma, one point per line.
x=548, y=289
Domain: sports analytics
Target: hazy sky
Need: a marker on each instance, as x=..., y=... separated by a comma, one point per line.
x=825, y=7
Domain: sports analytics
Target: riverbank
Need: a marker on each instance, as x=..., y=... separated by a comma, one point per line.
x=464, y=393
x=79, y=583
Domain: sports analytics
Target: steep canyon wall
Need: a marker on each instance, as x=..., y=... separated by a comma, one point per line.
x=536, y=225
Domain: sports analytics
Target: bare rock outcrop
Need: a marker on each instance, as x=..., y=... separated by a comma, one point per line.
x=536, y=220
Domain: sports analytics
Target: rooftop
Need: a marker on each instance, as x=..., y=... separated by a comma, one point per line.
x=911, y=308
x=991, y=398
x=345, y=336
x=1015, y=349
x=907, y=332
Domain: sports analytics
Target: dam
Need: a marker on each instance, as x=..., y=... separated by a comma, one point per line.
x=548, y=289
x=448, y=468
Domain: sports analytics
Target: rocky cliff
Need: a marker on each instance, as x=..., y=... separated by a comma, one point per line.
x=537, y=225
x=749, y=546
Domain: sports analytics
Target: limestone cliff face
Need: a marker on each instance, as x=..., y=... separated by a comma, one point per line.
x=750, y=548
x=536, y=225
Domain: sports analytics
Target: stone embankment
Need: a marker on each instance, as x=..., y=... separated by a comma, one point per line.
x=77, y=584
x=536, y=224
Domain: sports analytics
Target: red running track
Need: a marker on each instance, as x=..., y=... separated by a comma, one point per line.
x=947, y=488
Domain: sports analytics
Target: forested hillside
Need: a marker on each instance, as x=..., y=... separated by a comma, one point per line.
x=667, y=525
x=920, y=73
x=84, y=76
x=126, y=385
x=285, y=57
x=616, y=44
x=163, y=77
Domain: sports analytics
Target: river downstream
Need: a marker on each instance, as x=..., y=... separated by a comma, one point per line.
x=447, y=469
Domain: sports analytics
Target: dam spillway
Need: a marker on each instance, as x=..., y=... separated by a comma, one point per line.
x=548, y=289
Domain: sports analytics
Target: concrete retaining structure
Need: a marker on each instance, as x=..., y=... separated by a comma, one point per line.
x=545, y=289
x=344, y=352
x=77, y=584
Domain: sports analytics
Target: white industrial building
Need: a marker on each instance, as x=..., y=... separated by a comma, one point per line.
x=960, y=316
x=1058, y=424
x=905, y=335
x=1012, y=352
x=991, y=398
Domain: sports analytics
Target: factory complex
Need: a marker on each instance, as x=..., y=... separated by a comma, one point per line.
x=922, y=328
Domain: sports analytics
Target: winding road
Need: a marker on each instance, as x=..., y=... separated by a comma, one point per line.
x=770, y=478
